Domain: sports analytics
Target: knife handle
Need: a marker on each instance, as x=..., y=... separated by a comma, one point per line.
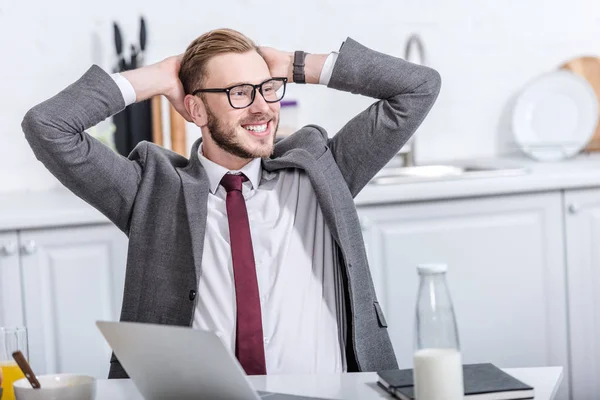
x=142, y=34
x=133, y=61
x=118, y=39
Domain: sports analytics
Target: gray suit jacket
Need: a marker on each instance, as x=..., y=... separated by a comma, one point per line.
x=159, y=198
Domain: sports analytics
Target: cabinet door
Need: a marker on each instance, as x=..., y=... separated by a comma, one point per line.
x=72, y=277
x=582, y=220
x=11, y=305
x=506, y=274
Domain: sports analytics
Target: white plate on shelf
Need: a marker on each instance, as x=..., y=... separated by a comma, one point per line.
x=555, y=116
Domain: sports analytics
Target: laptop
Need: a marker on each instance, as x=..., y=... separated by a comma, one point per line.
x=174, y=362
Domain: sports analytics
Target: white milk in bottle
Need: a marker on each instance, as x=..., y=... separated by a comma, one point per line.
x=438, y=374
x=437, y=369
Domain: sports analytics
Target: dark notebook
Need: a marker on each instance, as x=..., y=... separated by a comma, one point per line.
x=481, y=382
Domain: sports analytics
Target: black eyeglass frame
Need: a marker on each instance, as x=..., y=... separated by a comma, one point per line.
x=256, y=87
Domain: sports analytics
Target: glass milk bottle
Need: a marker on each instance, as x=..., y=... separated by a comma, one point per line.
x=437, y=372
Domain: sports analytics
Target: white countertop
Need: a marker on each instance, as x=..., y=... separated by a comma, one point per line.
x=43, y=209
x=29, y=210
x=363, y=386
x=577, y=173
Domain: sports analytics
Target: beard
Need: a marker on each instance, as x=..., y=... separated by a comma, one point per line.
x=225, y=137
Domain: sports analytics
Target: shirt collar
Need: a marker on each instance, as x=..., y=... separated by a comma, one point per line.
x=216, y=172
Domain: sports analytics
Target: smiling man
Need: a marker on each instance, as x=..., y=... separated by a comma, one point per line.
x=256, y=241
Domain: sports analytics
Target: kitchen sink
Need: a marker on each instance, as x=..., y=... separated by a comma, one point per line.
x=395, y=175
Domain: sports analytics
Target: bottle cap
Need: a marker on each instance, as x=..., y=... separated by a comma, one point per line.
x=428, y=269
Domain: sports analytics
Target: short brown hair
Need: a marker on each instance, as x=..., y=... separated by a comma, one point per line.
x=205, y=47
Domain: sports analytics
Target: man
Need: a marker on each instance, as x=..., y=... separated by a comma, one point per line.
x=256, y=241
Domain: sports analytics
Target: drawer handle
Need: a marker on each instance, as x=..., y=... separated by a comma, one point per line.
x=29, y=247
x=365, y=223
x=8, y=249
x=573, y=208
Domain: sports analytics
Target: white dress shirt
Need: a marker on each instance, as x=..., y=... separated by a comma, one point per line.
x=298, y=273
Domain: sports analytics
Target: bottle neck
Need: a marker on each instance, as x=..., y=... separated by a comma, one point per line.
x=436, y=323
x=435, y=287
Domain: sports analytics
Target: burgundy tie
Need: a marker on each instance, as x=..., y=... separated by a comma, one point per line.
x=249, y=348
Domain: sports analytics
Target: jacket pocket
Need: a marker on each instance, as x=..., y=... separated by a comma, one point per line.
x=380, y=316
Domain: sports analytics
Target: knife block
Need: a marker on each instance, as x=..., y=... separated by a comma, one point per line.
x=133, y=125
x=143, y=121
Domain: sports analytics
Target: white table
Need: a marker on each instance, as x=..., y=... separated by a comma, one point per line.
x=350, y=386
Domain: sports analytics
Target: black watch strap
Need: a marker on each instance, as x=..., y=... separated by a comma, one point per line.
x=298, y=71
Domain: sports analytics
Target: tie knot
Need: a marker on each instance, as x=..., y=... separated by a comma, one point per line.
x=233, y=182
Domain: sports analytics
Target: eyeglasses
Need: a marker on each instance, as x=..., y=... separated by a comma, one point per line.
x=242, y=96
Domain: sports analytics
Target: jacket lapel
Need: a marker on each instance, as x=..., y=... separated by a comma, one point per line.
x=195, y=191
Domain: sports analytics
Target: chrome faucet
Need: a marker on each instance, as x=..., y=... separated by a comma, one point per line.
x=408, y=154
x=415, y=40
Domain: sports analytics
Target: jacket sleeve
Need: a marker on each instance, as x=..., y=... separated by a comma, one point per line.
x=55, y=130
x=406, y=93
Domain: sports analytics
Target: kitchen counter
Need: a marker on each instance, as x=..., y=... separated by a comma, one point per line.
x=45, y=209
x=59, y=207
x=578, y=173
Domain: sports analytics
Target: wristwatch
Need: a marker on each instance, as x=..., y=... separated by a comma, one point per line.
x=298, y=71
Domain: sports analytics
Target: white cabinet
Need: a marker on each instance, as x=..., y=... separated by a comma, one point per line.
x=582, y=221
x=506, y=274
x=61, y=282
x=11, y=299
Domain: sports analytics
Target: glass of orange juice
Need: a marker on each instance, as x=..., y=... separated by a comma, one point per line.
x=11, y=340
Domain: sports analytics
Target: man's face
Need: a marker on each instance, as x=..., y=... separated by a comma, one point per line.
x=248, y=132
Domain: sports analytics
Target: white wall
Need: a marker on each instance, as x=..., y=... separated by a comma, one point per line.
x=485, y=51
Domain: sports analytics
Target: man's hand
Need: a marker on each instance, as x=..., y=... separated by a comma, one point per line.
x=161, y=78
x=174, y=92
x=280, y=63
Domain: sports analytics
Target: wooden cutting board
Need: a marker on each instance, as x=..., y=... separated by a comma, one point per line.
x=157, y=128
x=178, y=132
x=589, y=69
